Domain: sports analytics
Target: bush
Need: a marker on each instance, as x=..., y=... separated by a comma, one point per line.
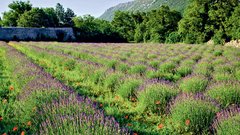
x=193, y=84
x=237, y=75
x=173, y=37
x=222, y=76
x=155, y=98
x=112, y=81
x=154, y=64
x=227, y=122
x=193, y=113
x=70, y=64
x=184, y=70
x=128, y=87
x=218, y=53
x=203, y=68
x=138, y=69
x=225, y=93
x=167, y=67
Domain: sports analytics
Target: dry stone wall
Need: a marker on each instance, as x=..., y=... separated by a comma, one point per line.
x=37, y=34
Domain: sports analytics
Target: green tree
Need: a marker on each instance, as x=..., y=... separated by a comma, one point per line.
x=219, y=12
x=17, y=8
x=192, y=26
x=52, y=19
x=33, y=18
x=161, y=23
x=60, y=14
x=125, y=25
x=68, y=18
x=233, y=24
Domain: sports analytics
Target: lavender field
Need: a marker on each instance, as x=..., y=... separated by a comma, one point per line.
x=114, y=89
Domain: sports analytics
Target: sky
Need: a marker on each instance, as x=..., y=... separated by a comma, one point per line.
x=80, y=7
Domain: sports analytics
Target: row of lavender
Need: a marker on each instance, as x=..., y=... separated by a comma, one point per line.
x=141, y=100
x=37, y=103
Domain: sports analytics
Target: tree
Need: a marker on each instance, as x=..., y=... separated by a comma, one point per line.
x=90, y=29
x=125, y=25
x=52, y=19
x=219, y=12
x=17, y=8
x=233, y=24
x=160, y=24
x=192, y=26
x=60, y=13
x=68, y=18
x=33, y=18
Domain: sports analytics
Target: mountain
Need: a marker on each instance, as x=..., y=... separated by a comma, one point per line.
x=144, y=5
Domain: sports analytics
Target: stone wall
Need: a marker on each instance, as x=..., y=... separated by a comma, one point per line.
x=37, y=34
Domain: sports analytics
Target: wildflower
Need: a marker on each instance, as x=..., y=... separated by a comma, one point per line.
x=158, y=102
x=116, y=97
x=101, y=105
x=126, y=117
x=160, y=126
x=29, y=123
x=133, y=99
x=1, y=118
x=129, y=124
x=15, y=128
x=22, y=133
x=4, y=134
x=135, y=134
x=4, y=101
x=218, y=114
x=187, y=122
x=11, y=88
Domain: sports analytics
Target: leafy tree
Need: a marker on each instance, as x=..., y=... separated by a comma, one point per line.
x=90, y=29
x=161, y=23
x=193, y=24
x=125, y=25
x=33, y=18
x=60, y=13
x=68, y=16
x=17, y=8
x=233, y=24
x=0, y=22
x=52, y=19
x=219, y=12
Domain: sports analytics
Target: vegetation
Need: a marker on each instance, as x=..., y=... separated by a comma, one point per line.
x=146, y=97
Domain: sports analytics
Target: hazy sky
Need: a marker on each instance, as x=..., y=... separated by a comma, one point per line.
x=80, y=7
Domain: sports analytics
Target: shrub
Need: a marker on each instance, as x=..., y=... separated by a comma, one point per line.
x=227, y=122
x=193, y=84
x=128, y=87
x=160, y=75
x=184, y=70
x=222, y=76
x=155, y=97
x=193, y=113
x=112, y=64
x=203, y=68
x=237, y=74
x=167, y=67
x=173, y=37
x=98, y=76
x=154, y=64
x=112, y=81
x=138, y=69
x=218, y=53
x=225, y=93
x=70, y=64
x=123, y=67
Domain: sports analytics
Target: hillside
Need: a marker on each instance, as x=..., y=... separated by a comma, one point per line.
x=144, y=5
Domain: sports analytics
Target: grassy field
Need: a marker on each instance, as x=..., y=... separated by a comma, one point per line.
x=105, y=89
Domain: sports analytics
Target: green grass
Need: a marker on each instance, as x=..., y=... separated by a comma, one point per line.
x=194, y=84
